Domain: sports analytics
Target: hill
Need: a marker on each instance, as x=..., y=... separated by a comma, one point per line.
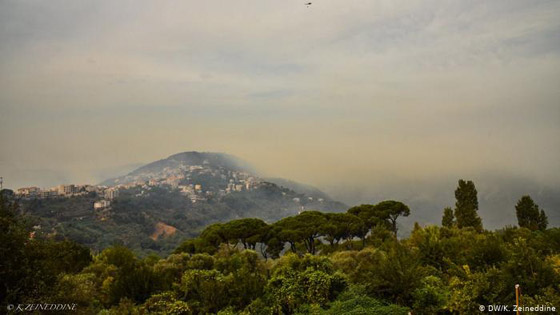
x=183, y=193
x=180, y=162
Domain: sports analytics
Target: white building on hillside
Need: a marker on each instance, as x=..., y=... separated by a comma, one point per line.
x=101, y=204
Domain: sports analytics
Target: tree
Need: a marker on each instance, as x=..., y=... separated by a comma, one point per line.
x=196, y=246
x=367, y=214
x=466, y=206
x=383, y=214
x=120, y=275
x=14, y=266
x=214, y=234
x=166, y=303
x=390, y=210
x=204, y=290
x=306, y=226
x=543, y=221
x=244, y=231
x=431, y=249
x=296, y=281
x=529, y=216
x=392, y=274
x=431, y=296
x=448, y=219
x=342, y=226
x=309, y=225
x=270, y=243
x=356, y=301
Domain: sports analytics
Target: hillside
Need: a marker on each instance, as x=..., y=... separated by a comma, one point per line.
x=180, y=162
x=182, y=193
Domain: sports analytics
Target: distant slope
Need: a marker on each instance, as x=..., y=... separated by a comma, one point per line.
x=161, y=203
x=299, y=187
x=136, y=217
x=191, y=158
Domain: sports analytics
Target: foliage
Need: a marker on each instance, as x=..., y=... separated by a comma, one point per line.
x=132, y=217
x=528, y=215
x=304, y=264
x=466, y=206
x=305, y=227
x=355, y=301
x=431, y=297
x=390, y=210
x=342, y=226
x=298, y=281
x=166, y=304
x=29, y=267
x=448, y=219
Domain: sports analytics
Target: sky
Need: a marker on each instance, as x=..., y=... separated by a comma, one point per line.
x=350, y=96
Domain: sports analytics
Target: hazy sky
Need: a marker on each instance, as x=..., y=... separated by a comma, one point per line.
x=342, y=92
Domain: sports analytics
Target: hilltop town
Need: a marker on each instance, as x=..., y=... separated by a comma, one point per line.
x=218, y=181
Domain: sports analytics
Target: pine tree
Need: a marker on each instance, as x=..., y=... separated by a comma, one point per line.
x=466, y=206
x=543, y=221
x=448, y=219
x=529, y=215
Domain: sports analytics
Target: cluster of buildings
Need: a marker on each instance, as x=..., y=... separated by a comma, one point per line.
x=194, y=192
x=103, y=206
x=237, y=182
x=65, y=191
x=102, y=209
x=182, y=178
x=170, y=175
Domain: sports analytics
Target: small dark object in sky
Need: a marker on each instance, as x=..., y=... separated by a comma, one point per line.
x=308, y=4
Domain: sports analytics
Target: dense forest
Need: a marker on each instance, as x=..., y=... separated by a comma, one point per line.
x=310, y=263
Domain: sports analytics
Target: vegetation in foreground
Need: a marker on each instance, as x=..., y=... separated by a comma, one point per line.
x=312, y=263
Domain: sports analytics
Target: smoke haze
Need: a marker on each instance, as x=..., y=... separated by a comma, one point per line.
x=364, y=99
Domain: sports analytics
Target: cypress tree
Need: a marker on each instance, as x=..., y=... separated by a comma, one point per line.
x=448, y=219
x=529, y=215
x=466, y=206
x=543, y=221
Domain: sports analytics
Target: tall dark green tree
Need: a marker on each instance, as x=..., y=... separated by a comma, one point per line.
x=29, y=267
x=527, y=213
x=14, y=267
x=529, y=216
x=448, y=219
x=543, y=221
x=466, y=207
